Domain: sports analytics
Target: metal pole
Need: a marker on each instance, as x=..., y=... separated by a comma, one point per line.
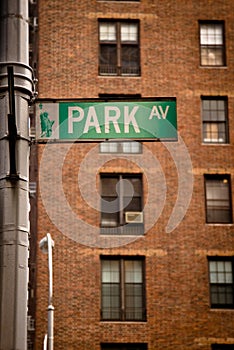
x=16, y=89
x=45, y=342
x=50, y=306
x=46, y=245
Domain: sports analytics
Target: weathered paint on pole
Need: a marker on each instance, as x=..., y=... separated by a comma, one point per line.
x=14, y=197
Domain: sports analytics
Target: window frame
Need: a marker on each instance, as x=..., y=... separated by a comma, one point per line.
x=122, y=227
x=118, y=43
x=210, y=121
x=223, y=284
x=221, y=47
x=122, y=289
x=210, y=208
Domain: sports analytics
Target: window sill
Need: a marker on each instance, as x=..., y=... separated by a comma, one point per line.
x=230, y=224
x=215, y=144
x=213, y=67
x=119, y=76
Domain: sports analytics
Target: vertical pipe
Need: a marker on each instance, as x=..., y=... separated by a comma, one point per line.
x=14, y=198
x=45, y=342
x=50, y=305
x=46, y=245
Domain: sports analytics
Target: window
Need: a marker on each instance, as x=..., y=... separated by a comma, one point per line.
x=120, y=147
x=218, y=199
x=214, y=119
x=212, y=44
x=222, y=346
x=123, y=294
x=121, y=204
x=221, y=282
x=119, y=48
x=117, y=346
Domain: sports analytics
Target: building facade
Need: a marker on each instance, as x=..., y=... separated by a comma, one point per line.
x=142, y=225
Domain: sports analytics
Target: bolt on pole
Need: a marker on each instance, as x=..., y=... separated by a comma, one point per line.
x=16, y=90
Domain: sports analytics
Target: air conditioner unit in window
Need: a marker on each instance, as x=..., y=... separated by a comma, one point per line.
x=134, y=217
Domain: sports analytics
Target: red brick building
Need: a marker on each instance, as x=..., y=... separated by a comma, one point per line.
x=143, y=231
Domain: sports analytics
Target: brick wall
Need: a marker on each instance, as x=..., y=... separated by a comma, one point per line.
x=177, y=287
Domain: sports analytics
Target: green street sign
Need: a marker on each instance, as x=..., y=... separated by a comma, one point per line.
x=97, y=120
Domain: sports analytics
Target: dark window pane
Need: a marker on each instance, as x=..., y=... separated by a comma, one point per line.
x=119, y=48
x=111, y=301
x=108, y=59
x=120, y=194
x=122, y=290
x=221, y=283
x=214, y=121
x=221, y=295
x=134, y=290
x=218, y=215
x=130, y=60
x=134, y=301
x=222, y=346
x=136, y=184
x=218, y=201
x=109, y=209
x=132, y=204
x=109, y=185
